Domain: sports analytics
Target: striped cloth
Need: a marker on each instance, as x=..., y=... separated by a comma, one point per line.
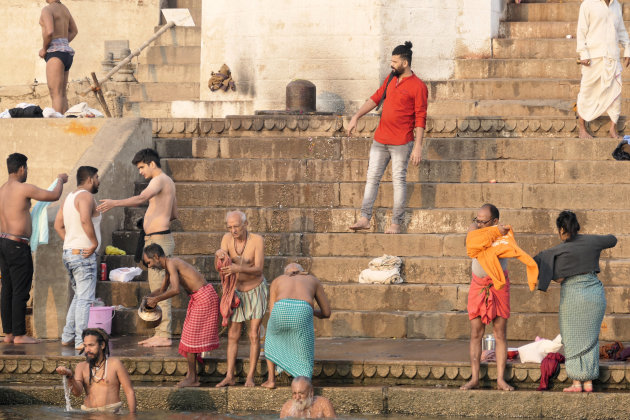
x=60, y=45
x=253, y=303
x=201, y=326
x=582, y=307
x=290, y=340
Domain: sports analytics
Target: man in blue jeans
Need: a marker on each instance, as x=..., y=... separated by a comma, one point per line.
x=404, y=99
x=78, y=224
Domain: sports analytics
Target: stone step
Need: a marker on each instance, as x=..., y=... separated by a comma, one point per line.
x=419, y=195
x=127, y=322
x=506, y=108
x=506, y=88
x=533, y=48
x=517, y=68
x=435, y=148
x=536, y=12
x=180, y=36
x=172, y=55
x=160, y=92
x=185, y=4
x=147, y=109
x=171, y=73
x=173, y=148
x=516, y=30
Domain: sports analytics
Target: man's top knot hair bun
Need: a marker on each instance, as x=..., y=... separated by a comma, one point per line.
x=408, y=44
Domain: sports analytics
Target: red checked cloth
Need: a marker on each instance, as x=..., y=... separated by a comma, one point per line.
x=201, y=326
x=229, y=300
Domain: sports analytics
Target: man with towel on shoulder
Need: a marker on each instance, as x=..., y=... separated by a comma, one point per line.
x=290, y=339
x=600, y=29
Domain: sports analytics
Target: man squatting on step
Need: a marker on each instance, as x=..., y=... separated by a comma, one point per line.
x=600, y=29
x=201, y=326
x=100, y=376
x=16, y=261
x=246, y=251
x=78, y=224
x=404, y=115
x=160, y=193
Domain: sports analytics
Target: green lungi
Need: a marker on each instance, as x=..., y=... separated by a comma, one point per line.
x=290, y=340
x=582, y=307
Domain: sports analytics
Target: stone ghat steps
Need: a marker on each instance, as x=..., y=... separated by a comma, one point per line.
x=429, y=171
x=172, y=55
x=338, y=148
x=543, y=68
x=533, y=48
x=555, y=12
x=180, y=36
x=357, y=244
x=506, y=88
x=150, y=91
x=168, y=73
x=419, y=195
x=509, y=107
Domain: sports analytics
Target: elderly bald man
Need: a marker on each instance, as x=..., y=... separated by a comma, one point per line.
x=290, y=340
x=304, y=404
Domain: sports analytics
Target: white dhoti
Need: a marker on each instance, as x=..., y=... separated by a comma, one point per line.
x=600, y=89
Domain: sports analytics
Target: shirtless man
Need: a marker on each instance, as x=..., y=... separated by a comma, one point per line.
x=16, y=262
x=58, y=30
x=160, y=193
x=290, y=340
x=246, y=250
x=304, y=405
x=201, y=326
x=100, y=376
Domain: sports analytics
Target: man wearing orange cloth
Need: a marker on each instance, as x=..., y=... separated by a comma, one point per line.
x=490, y=244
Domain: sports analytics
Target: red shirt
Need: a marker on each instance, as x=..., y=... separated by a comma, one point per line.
x=404, y=108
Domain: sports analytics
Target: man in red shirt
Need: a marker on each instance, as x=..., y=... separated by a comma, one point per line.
x=403, y=117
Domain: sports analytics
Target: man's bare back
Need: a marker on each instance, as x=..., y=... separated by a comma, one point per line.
x=299, y=286
x=189, y=278
x=162, y=206
x=250, y=257
x=61, y=17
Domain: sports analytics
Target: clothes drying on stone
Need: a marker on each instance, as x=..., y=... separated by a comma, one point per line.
x=487, y=245
x=201, y=327
x=623, y=354
x=229, y=299
x=222, y=80
x=549, y=367
x=290, y=339
x=579, y=256
x=610, y=350
x=382, y=270
x=31, y=111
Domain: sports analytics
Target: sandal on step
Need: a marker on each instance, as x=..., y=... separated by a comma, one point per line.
x=573, y=388
x=588, y=388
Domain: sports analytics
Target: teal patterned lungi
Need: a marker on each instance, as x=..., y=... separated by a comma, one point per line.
x=582, y=307
x=290, y=339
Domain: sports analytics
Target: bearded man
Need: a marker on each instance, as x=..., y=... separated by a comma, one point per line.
x=304, y=404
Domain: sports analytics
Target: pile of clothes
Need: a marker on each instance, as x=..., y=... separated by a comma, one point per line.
x=26, y=110
x=382, y=270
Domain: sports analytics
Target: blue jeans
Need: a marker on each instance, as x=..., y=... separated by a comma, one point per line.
x=82, y=272
x=380, y=155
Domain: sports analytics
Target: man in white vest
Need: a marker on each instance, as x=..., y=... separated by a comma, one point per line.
x=78, y=224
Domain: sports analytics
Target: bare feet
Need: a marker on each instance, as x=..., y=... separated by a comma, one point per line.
x=67, y=343
x=156, y=342
x=249, y=383
x=588, y=386
x=504, y=386
x=584, y=134
x=362, y=224
x=393, y=229
x=24, y=339
x=187, y=382
x=472, y=384
x=269, y=384
x=614, y=134
x=8, y=338
x=226, y=382
x=573, y=388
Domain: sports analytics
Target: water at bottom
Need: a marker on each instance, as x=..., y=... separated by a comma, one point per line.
x=19, y=412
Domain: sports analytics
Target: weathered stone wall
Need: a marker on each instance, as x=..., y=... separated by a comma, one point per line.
x=343, y=47
x=97, y=21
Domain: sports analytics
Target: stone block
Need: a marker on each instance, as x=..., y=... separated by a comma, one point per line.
x=342, y=244
x=205, y=148
x=173, y=399
x=280, y=148
x=173, y=148
x=439, y=325
x=364, y=400
x=242, y=399
x=362, y=324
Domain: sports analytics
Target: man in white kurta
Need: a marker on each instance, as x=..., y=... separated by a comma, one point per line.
x=600, y=30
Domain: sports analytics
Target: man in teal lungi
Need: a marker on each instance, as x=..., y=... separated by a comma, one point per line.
x=290, y=340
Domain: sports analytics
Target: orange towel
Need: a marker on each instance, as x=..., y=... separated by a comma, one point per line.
x=486, y=301
x=229, y=300
x=487, y=245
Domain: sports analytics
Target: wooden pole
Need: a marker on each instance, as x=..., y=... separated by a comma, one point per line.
x=99, y=95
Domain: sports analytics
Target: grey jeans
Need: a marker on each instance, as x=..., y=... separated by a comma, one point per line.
x=380, y=155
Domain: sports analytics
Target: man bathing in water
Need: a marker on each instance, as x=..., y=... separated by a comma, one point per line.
x=160, y=193
x=201, y=326
x=58, y=30
x=304, y=404
x=100, y=376
x=246, y=251
x=16, y=261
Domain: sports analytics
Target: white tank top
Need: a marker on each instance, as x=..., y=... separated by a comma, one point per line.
x=76, y=238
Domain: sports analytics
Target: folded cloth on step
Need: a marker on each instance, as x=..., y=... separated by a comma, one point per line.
x=112, y=250
x=229, y=299
x=290, y=339
x=609, y=351
x=380, y=276
x=51, y=113
x=386, y=262
x=488, y=356
x=201, y=327
x=549, y=367
x=82, y=110
x=535, y=352
x=222, y=80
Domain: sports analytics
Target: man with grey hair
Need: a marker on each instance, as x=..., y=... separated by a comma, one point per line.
x=290, y=340
x=242, y=253
x=304, y=404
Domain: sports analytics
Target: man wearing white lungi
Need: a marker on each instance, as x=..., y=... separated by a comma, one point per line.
x=600, y=30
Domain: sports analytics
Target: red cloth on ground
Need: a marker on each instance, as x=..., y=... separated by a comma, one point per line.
x=548, y=368
x=229, y=300
x=404, y=108
x=201, y=326
x=486, y=301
